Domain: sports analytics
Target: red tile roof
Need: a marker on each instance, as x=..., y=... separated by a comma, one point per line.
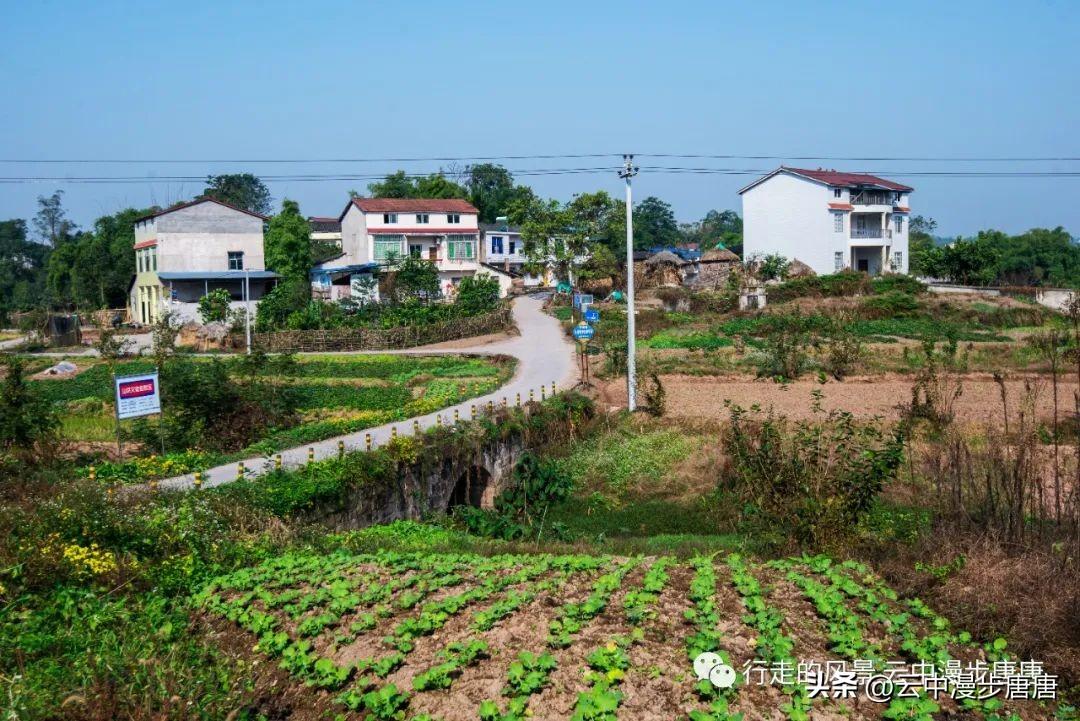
x=841, y=206
x=846, y=180
x=901, y=209
x=144, y=244
x=413, y=205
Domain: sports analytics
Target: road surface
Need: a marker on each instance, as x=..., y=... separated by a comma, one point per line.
x=544, y=356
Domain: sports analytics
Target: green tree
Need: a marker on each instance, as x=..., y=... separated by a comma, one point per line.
x=214, y=306
x=412, y=279
x=51, y=221
x=93, y=269
x=284, y=299
x=288, y=242
x=492, y=190
x=924, y=257
x=718, y=228
x=243, y=190
x=654, y=224
x=971, y=261
x=21, y=268
x=401, y=185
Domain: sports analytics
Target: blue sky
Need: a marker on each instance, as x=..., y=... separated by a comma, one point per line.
x=225, y=80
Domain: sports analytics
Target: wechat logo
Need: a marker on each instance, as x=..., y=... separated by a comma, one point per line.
x=710, y=666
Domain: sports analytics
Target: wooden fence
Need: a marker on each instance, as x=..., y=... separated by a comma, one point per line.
x=409, y=336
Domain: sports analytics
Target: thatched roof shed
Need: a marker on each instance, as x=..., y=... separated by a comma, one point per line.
x=799, y=269
x=665, y=257
x=719, y=255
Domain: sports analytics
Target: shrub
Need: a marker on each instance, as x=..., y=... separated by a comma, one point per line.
x=477, y=294
x=842, y=284
x=816, y=479
x=773, y=267
x=214, y=306
x=111, y=345
x=28, y=422
x=892, y=304
x=282, y=301
x=841, y=354
x=897, y=282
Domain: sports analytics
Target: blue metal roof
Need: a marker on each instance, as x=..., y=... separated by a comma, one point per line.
x=218, y=275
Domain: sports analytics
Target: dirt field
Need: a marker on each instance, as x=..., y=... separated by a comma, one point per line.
x=980, y=400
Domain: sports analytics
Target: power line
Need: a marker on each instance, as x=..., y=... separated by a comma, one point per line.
x=554, y=156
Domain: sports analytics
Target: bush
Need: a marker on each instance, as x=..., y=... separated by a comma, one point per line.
x=841, y=354
x=843, y=284
x=28, y=422
x=815, y=479
x=214, y=306
x=477, y=294
x=897, y=282
x=893, y=304
x=282, y=301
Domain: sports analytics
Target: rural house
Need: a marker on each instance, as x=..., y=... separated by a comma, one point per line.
x=444, y=231
x=827, y=219
x=184, y=252
x=501, y=247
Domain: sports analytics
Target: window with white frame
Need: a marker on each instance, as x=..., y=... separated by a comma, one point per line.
x=497, y=244
x=838, y=222
x=153, y=259
x=460, y=247
x=836, y=192
x=389, y=218
x=838, y=260
x=236, y=260
x=386, y=245
x=416, y=250
x=454, y=218
x=513, y=247
x=897, y=260
x=899, y=223
x=423, y=218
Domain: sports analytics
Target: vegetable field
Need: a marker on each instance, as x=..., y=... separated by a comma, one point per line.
x=441, y=636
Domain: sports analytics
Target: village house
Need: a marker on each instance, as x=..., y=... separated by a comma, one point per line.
x=184, y=252
x=501, y=248
x=829, y=220
x=374, y=230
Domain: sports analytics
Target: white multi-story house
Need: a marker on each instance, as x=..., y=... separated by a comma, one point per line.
x=501, y=245
x=828, y=219
x=184, y=252
x=443, y=231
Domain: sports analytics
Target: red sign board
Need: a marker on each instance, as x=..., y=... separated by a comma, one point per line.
x=136, y=389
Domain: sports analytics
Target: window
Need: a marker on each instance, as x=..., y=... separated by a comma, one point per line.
x=836, y=192
x=389, y=218
x=386, y=245
x=897, y=260
x=416, y=250
x=453, y=218
x=838, y=260
x=513, y=246
x=460, y=247
x=423, y=218
x=838, y=222
x=138, y=260
x=899, y=223
x=236, y=260
x=153, y=259
x=496, y=244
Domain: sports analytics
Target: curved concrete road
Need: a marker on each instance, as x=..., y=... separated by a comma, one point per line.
x=544, y=356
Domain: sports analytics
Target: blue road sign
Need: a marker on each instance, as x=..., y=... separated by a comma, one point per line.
x=581, y=299
x=583, y=331
x=592, y=315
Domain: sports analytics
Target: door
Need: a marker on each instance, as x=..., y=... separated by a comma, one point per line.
x=433, y=253
x=864, y=265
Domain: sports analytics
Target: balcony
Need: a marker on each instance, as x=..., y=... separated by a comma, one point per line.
x=871, y=233
x=873, y=198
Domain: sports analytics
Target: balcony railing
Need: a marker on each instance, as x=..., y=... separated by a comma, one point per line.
x=866, y=232
x=873, y=199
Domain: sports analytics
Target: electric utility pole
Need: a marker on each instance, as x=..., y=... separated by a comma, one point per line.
x=629, y=171
x=247, y=309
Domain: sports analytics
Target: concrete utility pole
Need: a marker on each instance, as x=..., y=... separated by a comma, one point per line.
x=247, y=309
x=629, y=171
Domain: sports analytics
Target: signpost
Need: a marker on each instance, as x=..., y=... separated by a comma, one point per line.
x=592, y=315
x=582, y=299
x=136, y=396
x=583, y=333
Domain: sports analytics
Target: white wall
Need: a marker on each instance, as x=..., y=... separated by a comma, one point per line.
x=375, y=222
x=354, y=240
x=200, y=237
x=790, y=216
x=497, y=258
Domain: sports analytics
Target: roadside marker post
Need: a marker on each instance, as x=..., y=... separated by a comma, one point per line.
x=153, y=485
x=472, y=412
x=491, y=407
x=543, y=393
x=531, y=396
x=277, y=462
x=367, y=441
x=239, y=470
x=416, y=427
x=341, y=449
x=552, y=387
x=93, y=473
x=393, y=433
x=518, y=400
x=198, y=480
x=310, y=454
x=438, y=420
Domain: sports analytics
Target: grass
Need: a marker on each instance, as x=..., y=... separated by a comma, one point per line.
x=610, y=462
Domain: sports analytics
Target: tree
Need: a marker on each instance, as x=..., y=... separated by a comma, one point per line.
x=401, y=185
x=21, y=268
x=971, y=261
x=242, y=190
x=214, y=306
x=654, y=224
x=51, y=221
x=924, y=257
x=717, y=228
x=93, y=269
x=28, y=421
x=412, y=279
x=565, y=236
x=288, y=242
x=492, y=190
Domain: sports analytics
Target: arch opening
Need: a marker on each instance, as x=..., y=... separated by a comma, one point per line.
x=470, y=488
